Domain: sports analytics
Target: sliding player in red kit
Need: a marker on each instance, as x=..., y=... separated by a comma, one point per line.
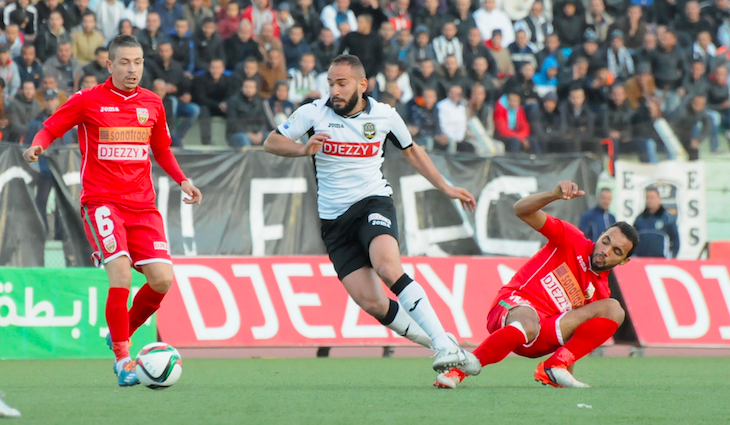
x=118, y=124
x=558, y=302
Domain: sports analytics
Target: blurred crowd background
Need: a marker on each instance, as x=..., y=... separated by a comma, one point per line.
x=611, y=76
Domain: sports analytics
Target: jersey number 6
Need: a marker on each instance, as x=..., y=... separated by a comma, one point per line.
x=103, y=222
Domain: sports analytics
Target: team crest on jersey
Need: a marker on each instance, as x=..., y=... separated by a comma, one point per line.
x=142, y=115
x=110, y=243
x=368, y=130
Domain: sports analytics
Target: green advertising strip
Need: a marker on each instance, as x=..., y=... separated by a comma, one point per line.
x=59, y=314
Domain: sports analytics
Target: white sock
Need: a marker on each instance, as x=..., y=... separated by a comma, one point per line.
x=404, y=326
x=414, y=300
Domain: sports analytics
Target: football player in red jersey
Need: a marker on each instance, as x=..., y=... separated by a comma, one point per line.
x=118, y=124
x=558, y=302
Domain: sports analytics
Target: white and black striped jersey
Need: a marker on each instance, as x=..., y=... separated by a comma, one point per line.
x=300, y=85
x=348, y=167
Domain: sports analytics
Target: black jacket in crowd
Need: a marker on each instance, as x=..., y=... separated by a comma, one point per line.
x=367, y=47
x=100, y=72
x=150, y=43
x=46, y=43
x=237, y=51
x=579, y=128
x=684, y=124
x=658, y=234
x=309, y=21
x=244, y=114
x=470, y=53
x=617, y=118
x=207, y=49
x=669, y=67
x=546, y=127
x=171, y=74
x=323, y=55
x=209, y=93
x=419, y=83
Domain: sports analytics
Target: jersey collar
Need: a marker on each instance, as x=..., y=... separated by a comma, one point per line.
x=124, y=95
x=366, y=110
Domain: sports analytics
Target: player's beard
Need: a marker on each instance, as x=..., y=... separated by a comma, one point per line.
x=349, y=106
x=596, y=268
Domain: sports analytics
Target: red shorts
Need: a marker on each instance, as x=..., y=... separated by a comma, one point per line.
x=549, y=337
x=115, y=230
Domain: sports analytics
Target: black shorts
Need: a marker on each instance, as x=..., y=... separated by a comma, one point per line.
x=348, y=237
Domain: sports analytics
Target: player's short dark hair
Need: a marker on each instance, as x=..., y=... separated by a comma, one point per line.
x=631, y=234
x=122, y=40
x=350, y=60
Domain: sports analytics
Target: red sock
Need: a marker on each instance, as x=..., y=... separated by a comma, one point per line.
x=118, y=321
x=145, y=303
x=496, y=347
x=586, y=338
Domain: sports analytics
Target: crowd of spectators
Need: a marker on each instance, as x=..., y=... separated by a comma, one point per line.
x=539, y=76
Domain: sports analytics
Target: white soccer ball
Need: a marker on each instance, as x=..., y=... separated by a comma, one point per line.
x=159, y=365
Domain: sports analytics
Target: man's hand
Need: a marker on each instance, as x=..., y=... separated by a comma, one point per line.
x=193, y=192
x=185, y=98
x=223, y=106
x=466, y=198
x=566, y=189
x=170, y=88
x=32, y=153
x=314, y=144
x=614, y=134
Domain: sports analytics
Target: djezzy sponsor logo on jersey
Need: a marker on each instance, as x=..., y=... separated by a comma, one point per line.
x=142, y=115
x=557, y=293
x=360, y=150
x=123, y=152
x=368, y=130
x=376, y=219
x=124, y=134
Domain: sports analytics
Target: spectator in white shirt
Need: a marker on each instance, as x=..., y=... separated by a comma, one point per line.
x=336, y=13
x=137, y=13
x=108, y=14
x=488, y=18
x=453, y=115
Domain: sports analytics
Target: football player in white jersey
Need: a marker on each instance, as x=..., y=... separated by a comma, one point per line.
x=347, y=135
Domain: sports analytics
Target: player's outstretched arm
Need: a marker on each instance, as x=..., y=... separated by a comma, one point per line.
x=283, y=146
x=418, y=158
x=529, y=208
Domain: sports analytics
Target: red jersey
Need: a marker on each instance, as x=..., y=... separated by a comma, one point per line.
x=559, y=277
x=117, y=129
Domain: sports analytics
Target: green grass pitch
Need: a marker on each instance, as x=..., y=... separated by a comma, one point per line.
x=370, y=391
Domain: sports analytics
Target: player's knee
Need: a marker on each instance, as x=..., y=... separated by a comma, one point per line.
x=531, y=327
x=121, y=278
x=160, y=282
x=614, y=311
x=389, y=272
x=375, y=308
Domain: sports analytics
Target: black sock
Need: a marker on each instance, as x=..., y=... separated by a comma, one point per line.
x=390, y=315
x=401, y=284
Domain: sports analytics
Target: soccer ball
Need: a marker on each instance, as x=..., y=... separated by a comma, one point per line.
x=159, y=365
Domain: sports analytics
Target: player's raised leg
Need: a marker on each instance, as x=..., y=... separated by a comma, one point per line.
x=385, y=257
x=148, y=298
x=120, y=281
x=366, y=290
x=585, y=329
